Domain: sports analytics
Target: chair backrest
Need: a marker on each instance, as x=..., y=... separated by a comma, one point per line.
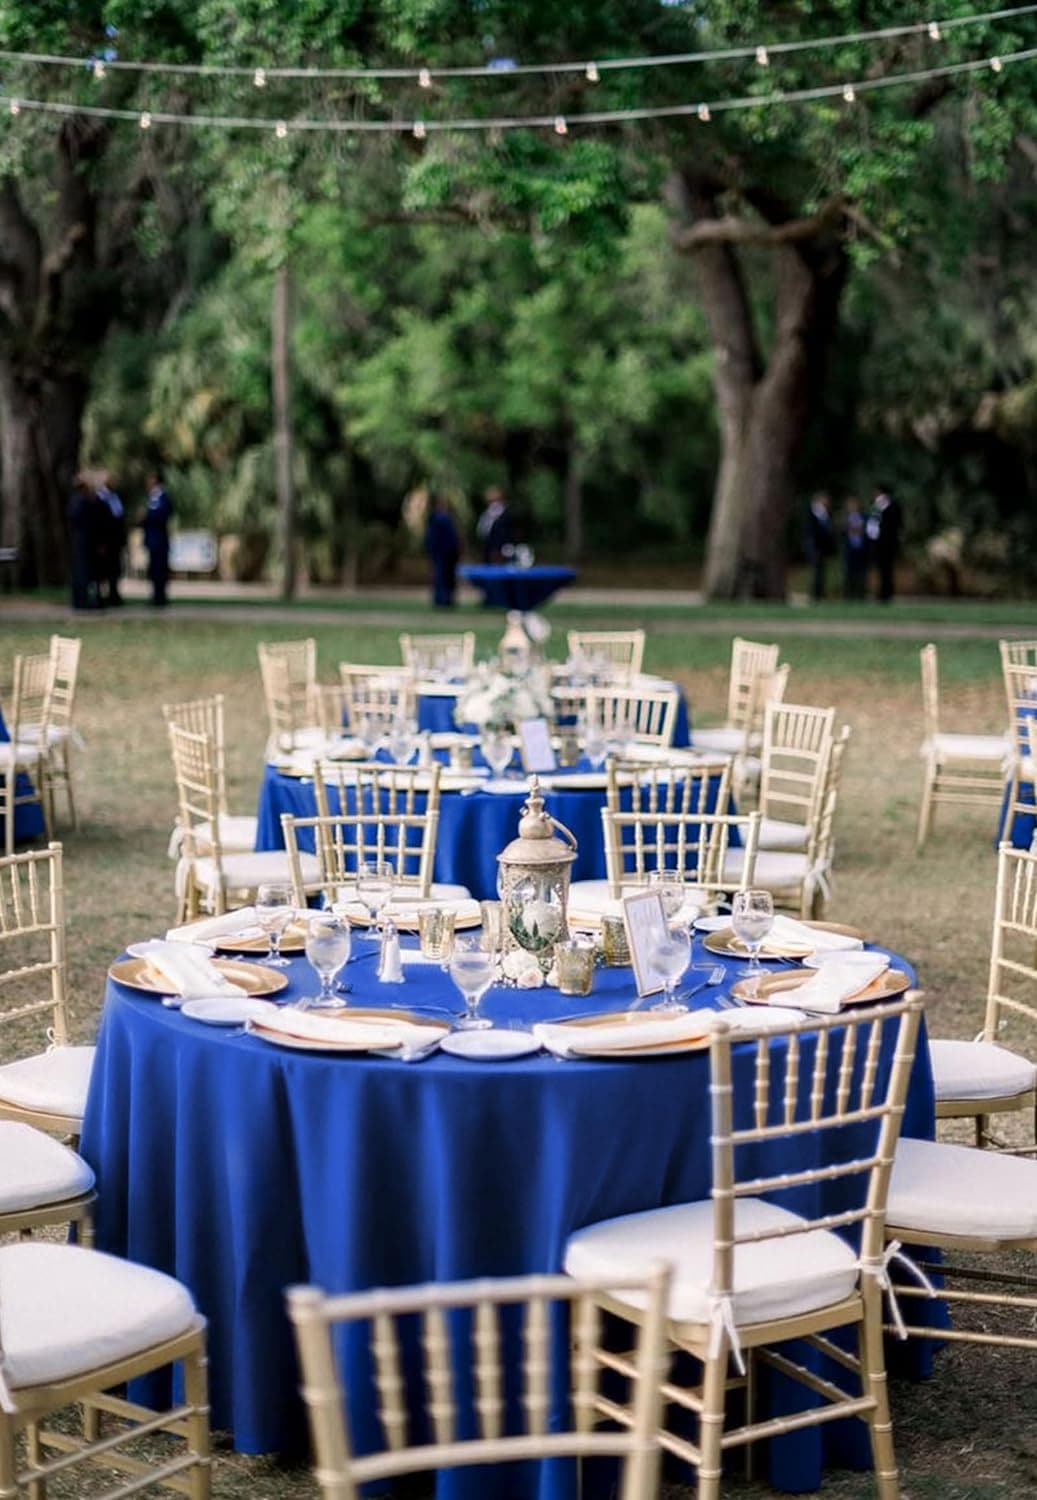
x=194, y=767
x=204, y=716
x=372, y=786
x=381, y=695
x=64, y=653
x=750, y=660
x=797, y=742
x=439, y=655
x=1012, y=984
x=623, y=650
x=645, y=715
x=406, y=841
x=647, y=786
x=459, y=1335
x=930, y=691
x=815, y=1079
x=1019, y=670
x=696, y=844
x=32, y=938
x=289, y=673
x=31, y=696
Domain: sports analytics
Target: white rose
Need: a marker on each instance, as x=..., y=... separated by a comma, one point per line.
x=530, y=979
x=518, y=962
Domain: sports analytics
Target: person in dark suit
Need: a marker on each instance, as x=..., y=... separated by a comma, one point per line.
x=884, y=527
x=156, y=537
x=820, y=542
x=855, y=551
x=443, y=545
x=494, y=526
x=84, y=537
x=112, y=517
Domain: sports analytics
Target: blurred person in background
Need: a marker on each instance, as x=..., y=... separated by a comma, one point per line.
x=819, y=542
x=494, y=526
x=443, y=545
x=112, y=528
x=157, y=517
x=884, y=527
x=855, y=551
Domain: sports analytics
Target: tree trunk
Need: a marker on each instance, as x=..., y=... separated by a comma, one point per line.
x=39, y=453
x=281, y=338
x=574, y=503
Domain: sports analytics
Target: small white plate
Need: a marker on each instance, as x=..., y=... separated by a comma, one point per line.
x=712, y=924
x=844, y=956
x=226, y=1011
x=490, y=1046
x=140, y=950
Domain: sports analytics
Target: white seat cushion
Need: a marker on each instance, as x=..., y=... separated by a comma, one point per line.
x=773, y=1279
x=983, y=747
x=723, y=738
x=961, y=1190
x=36, y=1169
x=776, y=870
x=51, y=1083
x=65, y=1310
x=245, y=871
x=779, y=833
x=57, y=734
x=237, y=833
x=446, y=892
x=21, y=754
x=978, y=1070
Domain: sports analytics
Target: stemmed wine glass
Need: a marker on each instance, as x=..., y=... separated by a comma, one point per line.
x=401, y=740
x=752, y=917
x=595, y=742
x=375, y=879
x=670, y=959
x=496, y=748
x=473, y=971
x=670, y=886
x=274, y=912
x=327, y=947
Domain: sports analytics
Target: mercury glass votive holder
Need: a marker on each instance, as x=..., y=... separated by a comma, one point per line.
x=574, y=963
x=614, y=944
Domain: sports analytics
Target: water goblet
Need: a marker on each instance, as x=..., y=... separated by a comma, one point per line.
x=327, y=948
x=752, y=917
x=670, y=959
x=274, y=913
x=670, y=886
x=375, y=879
x=496, y=749
x=595, y=743
x=473, y=971
x=400, y=741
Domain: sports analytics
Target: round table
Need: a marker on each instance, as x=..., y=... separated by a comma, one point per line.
x=242, y=1168
x=505, y=587
x=436, y=707
x=28, y=819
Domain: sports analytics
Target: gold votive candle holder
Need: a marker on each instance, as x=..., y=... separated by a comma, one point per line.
x=436, y=933
x=614, y=945
x=574, y=964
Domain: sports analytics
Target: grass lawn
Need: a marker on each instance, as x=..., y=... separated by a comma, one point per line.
x=969, y=1434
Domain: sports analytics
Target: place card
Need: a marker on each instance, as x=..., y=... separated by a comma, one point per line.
x=535, y=749
x=645, y=922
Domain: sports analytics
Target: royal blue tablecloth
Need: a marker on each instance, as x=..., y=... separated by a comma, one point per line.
x=436, y=713
x=516, y=588
x=242, y=1168
x=1019, y=830
x=28, y=819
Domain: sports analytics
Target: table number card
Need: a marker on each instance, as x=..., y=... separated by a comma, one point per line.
x=535, y=748
x=645, y=922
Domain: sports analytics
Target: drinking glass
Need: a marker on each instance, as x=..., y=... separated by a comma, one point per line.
x=670, y=886
x=436, y=933
x=400, y=741
x=369, y=733
x=274, y=912
x=473, y=972
x=752, y=917
x=669, y=960
x=595, y=743
x=327, y=948
x=574, y=962
x=375, y=879
x=496, y=749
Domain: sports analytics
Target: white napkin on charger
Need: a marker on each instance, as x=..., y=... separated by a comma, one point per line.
x=191, y=974
x=372, y=1032
x=403, y=909
x=241, y=923
x=787, y=930
x=618, y=1036
x=834, y=982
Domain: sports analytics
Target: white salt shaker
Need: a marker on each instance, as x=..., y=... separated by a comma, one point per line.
x=390, y=965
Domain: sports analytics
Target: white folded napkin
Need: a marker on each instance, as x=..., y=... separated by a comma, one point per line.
x=190, y=973
x=403, y=908
x=236, y=922
x=503, y=787
x=373, y=1032
x=788, y=930
x=618, y=1036
x=829, y=986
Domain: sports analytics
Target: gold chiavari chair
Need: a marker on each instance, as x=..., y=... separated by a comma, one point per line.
x=288, y=670
x=47, y=1089
x=25, y=753
x=623, y=650
x=695, y=844
x=750, y=1274
x=209, y=879
x=751, y=661
x=375, y=698
x=205, y=716
x=959, y=768
x=702, y=786
x=1019, y=671
x=61, y=730
x=797, y=741
x=977, y=1079
x=343, y=841
x=645, y=716
x=78, y=1325
x=451, y=655
x=478, y=1431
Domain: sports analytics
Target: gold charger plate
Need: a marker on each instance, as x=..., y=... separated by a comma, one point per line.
x=758, y=992
x=294, y=941
x=654, y=1049
x=405, y=920
x=254, y=979
x=724, y=942
x=348, y=1013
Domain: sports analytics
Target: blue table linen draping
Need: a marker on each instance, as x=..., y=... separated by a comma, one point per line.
x=28, y=819
x=242, y=1168
x=436, y=714
x=504, y=587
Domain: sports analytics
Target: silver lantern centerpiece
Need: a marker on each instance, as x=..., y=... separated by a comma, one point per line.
x=533, y=881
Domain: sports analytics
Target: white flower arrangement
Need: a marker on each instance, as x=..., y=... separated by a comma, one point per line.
x=493, y=697
x=522, y=969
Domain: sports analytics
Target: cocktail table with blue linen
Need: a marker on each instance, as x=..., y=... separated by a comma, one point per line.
x=511, y=587
x=28, y=819
x=242, y=1168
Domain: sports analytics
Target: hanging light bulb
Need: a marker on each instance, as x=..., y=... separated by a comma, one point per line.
x=561, y=125
x=425, y=79
x=15, y=107
x=996, y=64
x=145, y=121
x=259, y=78
x=704, y=114
x=98, y=67
x=849, y=93
x=280, y=130
x=419, y=130
x=935, y=34
x=763, y=57
x=592, y=73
